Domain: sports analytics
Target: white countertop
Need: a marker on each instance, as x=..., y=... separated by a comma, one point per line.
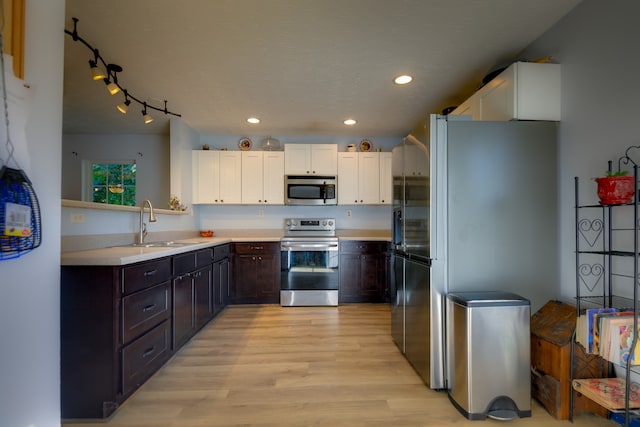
x=123, y=255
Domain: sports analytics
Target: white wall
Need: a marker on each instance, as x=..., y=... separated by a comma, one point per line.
x=597, y=45
x=30, y=307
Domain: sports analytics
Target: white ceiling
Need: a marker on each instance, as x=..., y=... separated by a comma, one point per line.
x=302, y=66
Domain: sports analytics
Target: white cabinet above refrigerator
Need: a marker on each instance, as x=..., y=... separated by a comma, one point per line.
x=523, y=91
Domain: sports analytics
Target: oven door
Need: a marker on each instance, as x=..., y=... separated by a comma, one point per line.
x=309, y=273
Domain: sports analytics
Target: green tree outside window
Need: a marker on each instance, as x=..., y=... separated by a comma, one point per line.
x=114, y=183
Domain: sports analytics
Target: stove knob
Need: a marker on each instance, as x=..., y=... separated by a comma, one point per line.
x=293, y=222
x=331, y=223
x=324, y=223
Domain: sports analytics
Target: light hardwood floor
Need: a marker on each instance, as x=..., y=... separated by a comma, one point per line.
x=298, y=366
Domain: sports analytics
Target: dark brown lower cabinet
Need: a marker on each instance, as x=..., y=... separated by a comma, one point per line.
x=256, y=273
x=120, y=324
x=363, y=272
x=115, y=324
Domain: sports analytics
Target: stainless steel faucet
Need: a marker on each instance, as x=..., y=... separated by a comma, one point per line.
x=143, y=227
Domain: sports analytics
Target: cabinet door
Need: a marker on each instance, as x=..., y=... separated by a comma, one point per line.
x=349, y=278
x=202, y=284
x=183, y=315
x=268, y=278
x=220, y=285
x=252, y=177
x=386, y=179
x=230, y=177
x=297, y=158
x=469, y=107
x=373, y=277
x=273, y=178
x=205, y=181
x=245, y=288
x=347, y=178
x=324, y=159
x=497, y=97
x=368, y=178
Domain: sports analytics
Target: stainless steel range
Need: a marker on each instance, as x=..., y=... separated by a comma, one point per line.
x=309, y=267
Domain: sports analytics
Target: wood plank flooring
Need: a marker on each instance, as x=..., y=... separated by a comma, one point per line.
x=298, y=366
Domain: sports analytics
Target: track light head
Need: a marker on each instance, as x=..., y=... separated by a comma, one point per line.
x=97, y=73
x=112, y=87
x=145, y=116
x=124, y=106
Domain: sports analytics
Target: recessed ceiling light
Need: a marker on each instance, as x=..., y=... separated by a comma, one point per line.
x=350, y=122
x=403, y=80
x=253, y=120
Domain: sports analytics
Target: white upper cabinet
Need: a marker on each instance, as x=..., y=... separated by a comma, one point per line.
x=311, y=159
x=386, y=178
x=216, y=177
x=263, y=177
x=364, y=178
x=524, y=91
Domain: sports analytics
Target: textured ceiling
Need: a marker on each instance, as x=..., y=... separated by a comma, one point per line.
x=302, y=66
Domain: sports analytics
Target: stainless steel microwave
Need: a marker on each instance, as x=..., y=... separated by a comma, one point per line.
x=310, y=190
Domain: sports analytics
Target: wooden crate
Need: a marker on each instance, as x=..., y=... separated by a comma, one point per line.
x=551, y=333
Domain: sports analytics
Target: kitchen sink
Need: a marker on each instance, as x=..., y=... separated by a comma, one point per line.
x=166, y=244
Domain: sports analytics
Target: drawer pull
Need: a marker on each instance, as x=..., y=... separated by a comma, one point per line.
x=148, y=352
x=259, y=248
x=148, y=308
x=150, y=272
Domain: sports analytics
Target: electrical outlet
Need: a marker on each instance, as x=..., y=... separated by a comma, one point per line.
x=77, y=218
x=348, y=212
x=260, y=212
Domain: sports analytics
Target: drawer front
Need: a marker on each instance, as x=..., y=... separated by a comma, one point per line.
x=141, y=276
x=221, y=252
x=256, y=248
x=184, y=263
x=143, y=310
x=549, y=358
x=204, y=257
x=362, y=247
x=144, y=356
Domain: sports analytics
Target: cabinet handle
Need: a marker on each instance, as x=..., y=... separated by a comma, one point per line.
x=360, y=201
x=258, y=248
x=265, y=200
x=260, y=258
x=308, y=172
x=148, y=352
x=150, y=272
x=148, y=308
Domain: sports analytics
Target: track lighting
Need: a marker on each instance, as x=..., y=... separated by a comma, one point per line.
x=145, y=116
x=111, y=80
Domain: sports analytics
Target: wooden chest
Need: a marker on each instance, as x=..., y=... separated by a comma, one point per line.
x=551, y=333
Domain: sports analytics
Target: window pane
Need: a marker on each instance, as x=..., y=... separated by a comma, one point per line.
x=100, y=194
x=99, y=174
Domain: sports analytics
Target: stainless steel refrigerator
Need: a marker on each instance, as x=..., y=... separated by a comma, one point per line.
x=474, y=209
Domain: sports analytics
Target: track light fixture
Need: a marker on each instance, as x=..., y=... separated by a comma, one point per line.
x=145, y=116
x=111, y=80
x=125, y=105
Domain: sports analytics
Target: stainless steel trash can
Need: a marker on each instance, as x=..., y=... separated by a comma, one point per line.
x=488, y=354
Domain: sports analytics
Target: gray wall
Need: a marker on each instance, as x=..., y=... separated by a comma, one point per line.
x=150, y=152
x=597, y=45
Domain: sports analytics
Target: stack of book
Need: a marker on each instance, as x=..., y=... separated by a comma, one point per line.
x=609, y=333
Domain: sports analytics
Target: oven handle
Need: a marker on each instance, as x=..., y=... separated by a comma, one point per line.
x=298, y=246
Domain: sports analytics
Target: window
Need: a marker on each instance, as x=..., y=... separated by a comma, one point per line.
x=113, y=183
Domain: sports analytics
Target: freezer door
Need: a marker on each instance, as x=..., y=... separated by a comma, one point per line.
x=424, y=347
x=398, y=300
